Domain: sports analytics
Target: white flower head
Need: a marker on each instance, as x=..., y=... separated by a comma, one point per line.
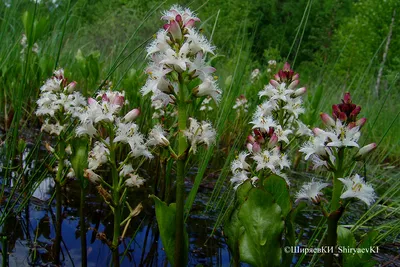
x=357, y=188
x=240, y=163
x=239, y=178
x=311, y=191
x=134, y=180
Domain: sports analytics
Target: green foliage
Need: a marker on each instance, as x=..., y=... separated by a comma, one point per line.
x=166, y=217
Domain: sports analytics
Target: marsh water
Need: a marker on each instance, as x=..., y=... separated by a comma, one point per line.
x=31, y=233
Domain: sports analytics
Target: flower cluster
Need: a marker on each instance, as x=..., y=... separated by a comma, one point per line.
x=326, y=148
x=178, y=73
x=58, y=103
x=274, y=121
x=342, y=131
x=179, y=47
x=101, y=119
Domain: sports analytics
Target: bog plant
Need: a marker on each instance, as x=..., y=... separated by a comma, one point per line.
x=179, y=80
x=263, y=212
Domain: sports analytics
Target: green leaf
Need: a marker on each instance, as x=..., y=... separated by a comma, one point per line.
x=166, y=218
x=243, y=191
x=233, y=231
x=263, y=223
x=79, y=159
x=345, y=237
x=278, y=188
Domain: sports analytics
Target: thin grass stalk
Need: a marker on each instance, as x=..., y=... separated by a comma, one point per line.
x=62, y=34
x=180, y=180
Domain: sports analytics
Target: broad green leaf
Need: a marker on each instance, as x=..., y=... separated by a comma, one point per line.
x=233, y=230
x=166, y=217
x=278, y=188
x=263, y=223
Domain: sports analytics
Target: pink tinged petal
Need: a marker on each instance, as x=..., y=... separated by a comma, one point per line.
x=175, y=30
x=166, y=26
x=105, y=98
x=118, y=100
x=190, y=23
x=327, y=120
x=296, y=76
x=178, y=18
x=277, y=77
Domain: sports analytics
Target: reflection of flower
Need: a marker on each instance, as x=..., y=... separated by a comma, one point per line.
x=311, y=191
x=357, y=188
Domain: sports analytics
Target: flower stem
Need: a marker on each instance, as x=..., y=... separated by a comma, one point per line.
x=117, y=207
x=58, y=182
x=333, y=221
x=180, y=180
x=337, y=185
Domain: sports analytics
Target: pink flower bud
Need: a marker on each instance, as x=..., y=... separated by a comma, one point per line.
x=318, y=131
x=361, y=122
x=327, y=120
x=256, y=147
x=286, y=67
x=293, y=84
x=71, y=87
x=132, y=115
x=178, y=18
x=296, y=76
x=91, y=101
x=276, y=77
x=273, y=141
x=365, y=150
x=300, y=91
x=249, y=147
x=347, y=98
x=274, y=83
x=251, y=139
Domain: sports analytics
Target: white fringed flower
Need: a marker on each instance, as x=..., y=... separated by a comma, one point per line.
x=357, y=188
x=157, y=137
x=199, y=134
